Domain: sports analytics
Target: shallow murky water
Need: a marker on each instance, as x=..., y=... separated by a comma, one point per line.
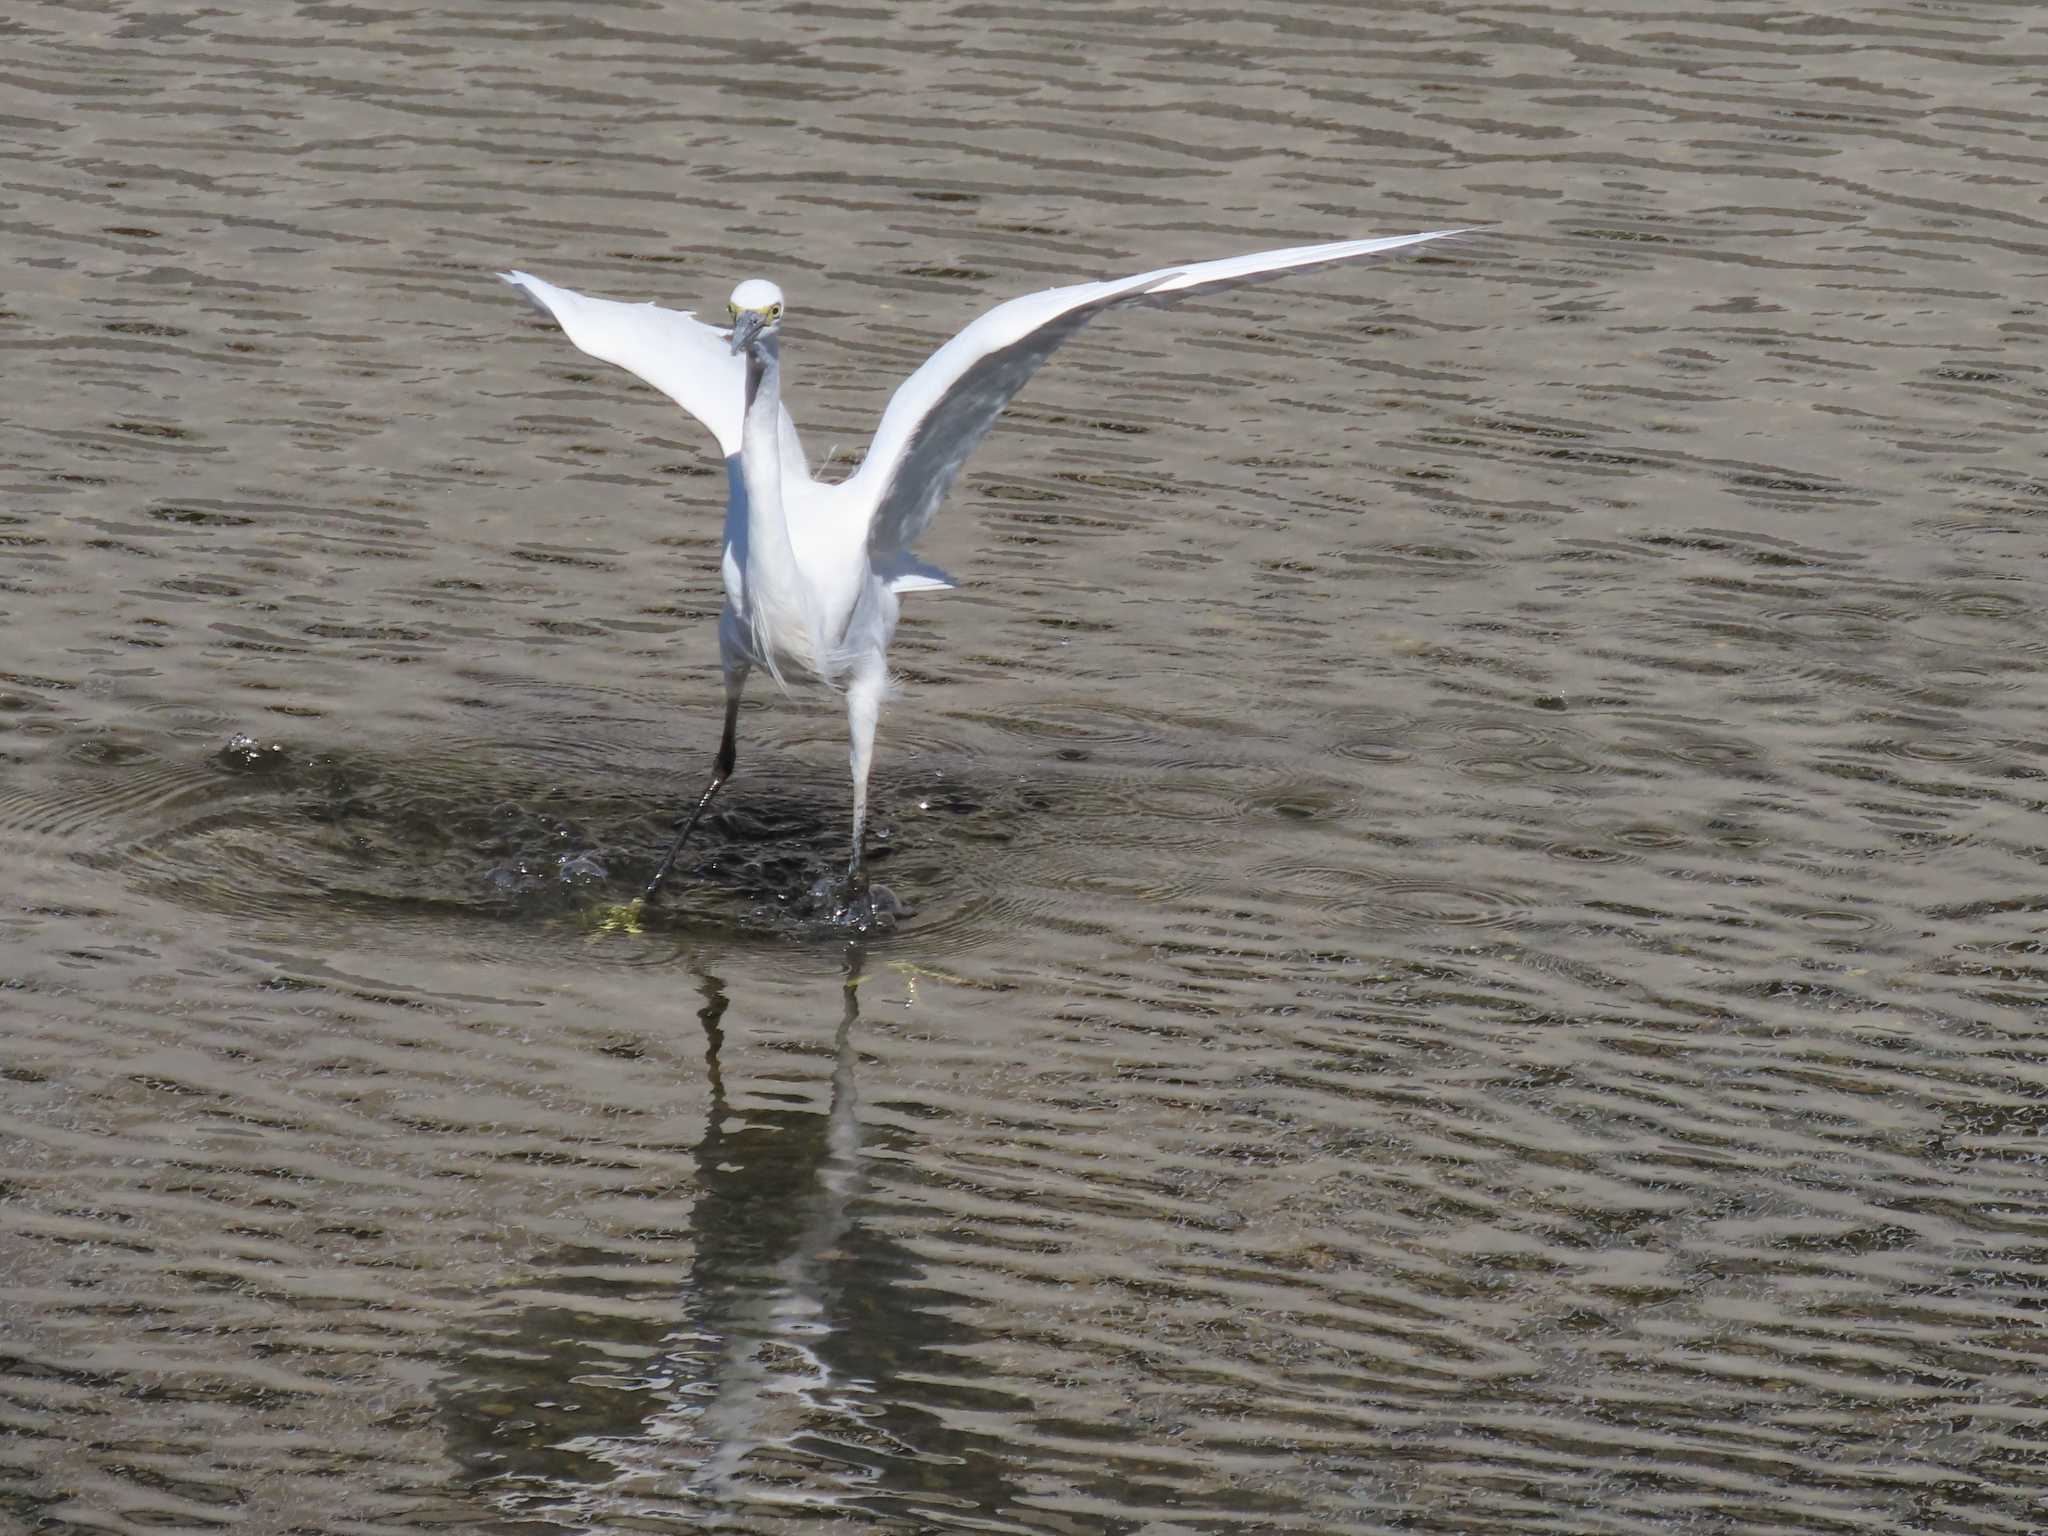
x=1477, y=824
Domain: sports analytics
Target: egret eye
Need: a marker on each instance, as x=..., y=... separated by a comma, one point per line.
x=774, y=311
x=733, y=310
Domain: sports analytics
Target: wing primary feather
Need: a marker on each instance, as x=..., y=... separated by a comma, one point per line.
x=671, y=349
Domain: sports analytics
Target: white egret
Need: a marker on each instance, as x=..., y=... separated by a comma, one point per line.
x=813, y=570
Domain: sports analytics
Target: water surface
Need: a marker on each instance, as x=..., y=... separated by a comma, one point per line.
x=1477, y=824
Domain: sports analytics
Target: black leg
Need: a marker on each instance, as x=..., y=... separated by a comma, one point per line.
x=721, y=771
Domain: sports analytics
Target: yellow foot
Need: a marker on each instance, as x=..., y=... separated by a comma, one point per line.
x=615, y=917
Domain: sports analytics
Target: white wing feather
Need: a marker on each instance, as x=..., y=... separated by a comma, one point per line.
x=685, y=359
x=938, y=415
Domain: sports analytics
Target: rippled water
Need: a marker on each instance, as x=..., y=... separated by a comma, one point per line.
x=1477, y=825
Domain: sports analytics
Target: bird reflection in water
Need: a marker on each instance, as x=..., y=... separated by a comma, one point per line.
x=806, y=1362
x=771, y=1363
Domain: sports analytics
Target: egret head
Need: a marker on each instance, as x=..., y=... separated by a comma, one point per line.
x=756, y=310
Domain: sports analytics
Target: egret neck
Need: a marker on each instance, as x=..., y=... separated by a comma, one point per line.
x=774, y=604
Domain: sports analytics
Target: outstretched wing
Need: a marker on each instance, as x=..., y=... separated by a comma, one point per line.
x=940, y=412
x=685, y=359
